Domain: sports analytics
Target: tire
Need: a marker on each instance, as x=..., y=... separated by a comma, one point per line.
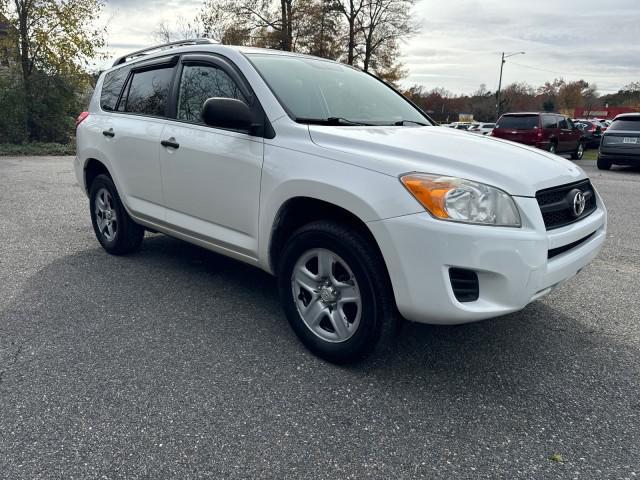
x=114, y=229
x=553, y=147
x=578, y=153
x=336, y=329
x=603, y=164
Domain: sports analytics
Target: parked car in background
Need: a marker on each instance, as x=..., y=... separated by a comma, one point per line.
x=482, y=128
x=548, y=131
x=592, y=132
x=620, y=144
x=601, y=123
x=459, y=125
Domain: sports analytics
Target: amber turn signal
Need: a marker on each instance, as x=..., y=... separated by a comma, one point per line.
x=430, y=192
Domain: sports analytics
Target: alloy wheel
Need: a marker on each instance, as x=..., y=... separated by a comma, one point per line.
x=106, y=216
x=327, y=295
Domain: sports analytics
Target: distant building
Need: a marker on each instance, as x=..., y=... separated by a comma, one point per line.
x=602, y=112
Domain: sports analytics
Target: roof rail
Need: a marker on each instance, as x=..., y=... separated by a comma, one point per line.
x=164, y=46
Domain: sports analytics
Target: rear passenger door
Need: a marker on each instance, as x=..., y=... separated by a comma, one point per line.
x=566, y=141
x=549, y=130
x=135, y=136
x=211, y=176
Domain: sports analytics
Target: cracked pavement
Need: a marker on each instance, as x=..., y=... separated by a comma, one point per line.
x=178, y=363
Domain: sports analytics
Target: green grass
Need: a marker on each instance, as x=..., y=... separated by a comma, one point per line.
x=36, y=149
x=590, y=154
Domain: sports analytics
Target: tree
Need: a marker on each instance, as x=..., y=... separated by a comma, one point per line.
x=383, y=23
x=318, y=29
x=256, y=22
x=184, y=29
x=575, y=94
x=54, y=40
x=351, y=11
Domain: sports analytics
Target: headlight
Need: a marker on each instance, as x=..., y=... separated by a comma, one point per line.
x=459, y=200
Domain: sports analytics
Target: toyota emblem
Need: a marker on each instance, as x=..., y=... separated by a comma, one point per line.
x=579, y=203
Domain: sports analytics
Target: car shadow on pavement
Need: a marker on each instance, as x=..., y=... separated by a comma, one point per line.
x=172, y=284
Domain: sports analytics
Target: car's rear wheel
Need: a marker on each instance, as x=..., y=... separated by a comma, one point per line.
x=553, y=147
x=579, y=152
x=115, y=230
x=336, y=292
x=603, y=164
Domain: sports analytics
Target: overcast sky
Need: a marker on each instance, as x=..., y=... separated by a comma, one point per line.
x=461, y=40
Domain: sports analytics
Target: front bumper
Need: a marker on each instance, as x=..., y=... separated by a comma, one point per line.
x=512, y=264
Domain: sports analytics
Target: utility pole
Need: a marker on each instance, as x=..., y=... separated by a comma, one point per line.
x=502, y=62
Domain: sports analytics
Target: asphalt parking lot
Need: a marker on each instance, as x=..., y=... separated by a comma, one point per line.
x=178, y=363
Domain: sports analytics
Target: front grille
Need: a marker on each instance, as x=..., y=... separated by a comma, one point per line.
x=554, y=252
x=464, y=284
x=557, y=207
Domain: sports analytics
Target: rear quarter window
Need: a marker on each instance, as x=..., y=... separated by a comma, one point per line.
x=111, y=88
x=518, y=122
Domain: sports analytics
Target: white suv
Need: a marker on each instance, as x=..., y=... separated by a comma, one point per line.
x=328, y=178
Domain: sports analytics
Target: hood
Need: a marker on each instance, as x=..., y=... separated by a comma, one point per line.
x=515, y=168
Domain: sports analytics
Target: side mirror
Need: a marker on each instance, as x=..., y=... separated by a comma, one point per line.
x=227, y=113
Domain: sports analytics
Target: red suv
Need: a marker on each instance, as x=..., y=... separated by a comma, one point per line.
x=548, y=131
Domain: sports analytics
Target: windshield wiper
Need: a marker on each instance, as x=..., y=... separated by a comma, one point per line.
x=334, y=121
x=402, y=123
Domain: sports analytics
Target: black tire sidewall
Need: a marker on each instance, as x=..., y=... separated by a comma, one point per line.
x=352, y=249
x=119, y=244
x=576, y=154
x=603, y=164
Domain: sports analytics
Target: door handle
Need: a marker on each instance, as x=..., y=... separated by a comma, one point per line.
x=170, y=143
x=109, y=133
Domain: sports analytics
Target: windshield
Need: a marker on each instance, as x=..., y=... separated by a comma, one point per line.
x=627, y=123
x=319, y=91
x=518, y=122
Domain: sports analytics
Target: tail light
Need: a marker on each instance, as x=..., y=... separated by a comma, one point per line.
x=81, y=118
x=539, y=134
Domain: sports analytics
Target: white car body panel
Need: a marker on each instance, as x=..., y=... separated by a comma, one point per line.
x=211, y=184
x=224, y=190
x=514, y=168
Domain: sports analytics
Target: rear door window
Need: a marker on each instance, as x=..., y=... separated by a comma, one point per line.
x=149, y=92
x=111, y=88
x=630, y=124
x=562, y=123
x=518, y=122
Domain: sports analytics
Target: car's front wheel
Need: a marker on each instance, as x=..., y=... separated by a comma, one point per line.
x=115, y=230
x=336, y=292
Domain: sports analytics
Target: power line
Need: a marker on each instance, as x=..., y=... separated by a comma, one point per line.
x=537, y=68
x=561, y=73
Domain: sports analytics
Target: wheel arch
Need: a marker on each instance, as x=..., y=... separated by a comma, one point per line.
x=92, y=168
x=298, y=211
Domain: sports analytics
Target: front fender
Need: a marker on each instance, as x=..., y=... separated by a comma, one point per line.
x=367, y=194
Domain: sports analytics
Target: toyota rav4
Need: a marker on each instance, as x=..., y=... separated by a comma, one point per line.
x=331, y=180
